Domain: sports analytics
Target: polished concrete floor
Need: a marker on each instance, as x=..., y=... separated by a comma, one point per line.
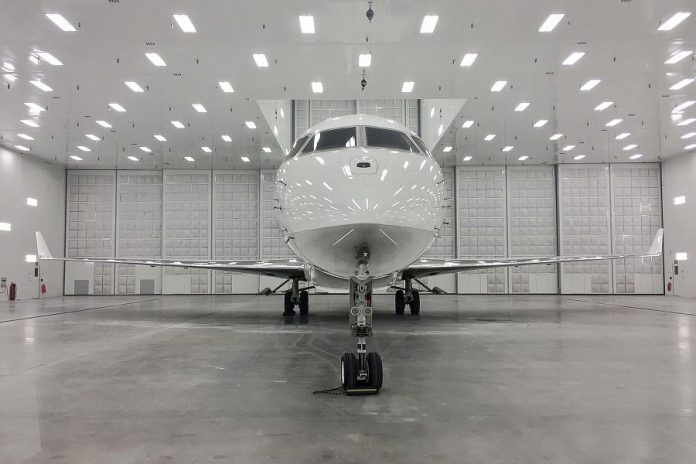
x=476, y=379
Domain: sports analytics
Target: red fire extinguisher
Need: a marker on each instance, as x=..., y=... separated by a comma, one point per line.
x=13, y=291
x=43, y=288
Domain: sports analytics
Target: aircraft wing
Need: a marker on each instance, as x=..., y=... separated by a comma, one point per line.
x=428, y=267
x=284, y=268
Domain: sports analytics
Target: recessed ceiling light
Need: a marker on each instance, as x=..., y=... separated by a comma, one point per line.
x=29, y=137
x=178, y=124
x=614, y=122
x=364, y=60
x=680, y=200
x=690, y=147
x=467, y=124
x=61, y=22
x=134, y=86
x=551, y=22
x=225, y=86
x=190, y=159
x=245, y=159
x=83, y=148
x=261, y=60
x=540, y=123
x=636, y=156
x=447, y=149
x=685, y=136
x=440, y=130
x=75, y=157
x=489, y=137
x=578, y=157
x=683, y=106
x=117, y=107
x=133, y=158
x=568, y=148
x=686, y=122
x=681, y=256
x=226, y=138
x=630, y=147
x=159, y=137
x=676, y=116
x=10, y=77
x=498, y=86
x=32, y=202
x=198, y=107
x=467, y=158
x=622, y=135
x=21, y=147
x=681, y=84
x=317, y=87
x=522, y=106
x=508, y=148
x=555, y=136
x=92, y=137
x=266, y=149
x=523, y=158
x=206, y=149
x=468, y=59
x=603, y=106
x=407, y=86
x=678, y=55
x=41, y=86
x=184, y=23
x=674, y=21
x=34, y=59
x=146, y=149
x=250, y=124
x=307, y=24
x=589, y=85
x=103, y=124
x=50, y=59
x=29, y=123
x=429, y=23
x=155, y=59
x=7, y=66
x=573, y=58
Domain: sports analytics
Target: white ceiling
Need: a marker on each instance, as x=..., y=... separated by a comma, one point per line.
x=620, y=38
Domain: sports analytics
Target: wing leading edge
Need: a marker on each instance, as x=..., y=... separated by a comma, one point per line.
x=428, y=267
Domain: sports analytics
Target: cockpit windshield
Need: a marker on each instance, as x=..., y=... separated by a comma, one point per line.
x=387, y=138
x=297, y=146
x=332, y=139
x=421, y=145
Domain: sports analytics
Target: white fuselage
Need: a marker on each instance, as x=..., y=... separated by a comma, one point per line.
x=333, y=203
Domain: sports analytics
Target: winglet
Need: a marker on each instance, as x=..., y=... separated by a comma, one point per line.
x=656, y=246
x=42, y=248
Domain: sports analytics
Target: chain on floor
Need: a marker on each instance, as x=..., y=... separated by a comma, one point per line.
x=337, y=391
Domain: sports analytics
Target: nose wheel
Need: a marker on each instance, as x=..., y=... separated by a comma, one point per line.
x=357, y=381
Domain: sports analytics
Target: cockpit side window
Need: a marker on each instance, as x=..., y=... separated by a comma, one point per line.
x=387, y=138
x=332, y=139
x=297, y=146
x=420, y=144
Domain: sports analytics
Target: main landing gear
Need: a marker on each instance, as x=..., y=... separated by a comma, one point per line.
x=407, y=296
x=298, y=297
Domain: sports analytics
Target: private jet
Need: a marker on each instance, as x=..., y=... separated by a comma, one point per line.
x=359, y=200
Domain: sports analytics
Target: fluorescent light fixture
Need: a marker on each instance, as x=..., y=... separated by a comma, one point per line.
x=680, y=200
x=184, y=23
x=440, y=130
x=678, y=55
x=568, y=148
x=674, y=21
x=498, y=86
x=21, y=148
x=467, y=124
x=266, y=149
x=50, y=59
x=578, y=157
x=225, y=86
x=250, y=124
x=676, y=116
x=622, y=135
x=32, y=202
x=117, y=107
x=103, y=124
x=555, y=137
x=407, y=86
x=685, y=136
x=245, y=159
x=489, y=137
x=468, y=59
x=198, y=107
x=206, y=149
x=29, y=122
x=146, y=149
x=683, y=106
x=29, y=137
x=447, y=149
x=635, y=157
x=508, y=148
x=630, y=147
x=551, y=22
x=133, y=158
x=589, y=85
x=10, y=77
x=5, y=226
x=41, y=86
x=522, y=106
x=261, y=60
x=573, y=58
x=690, y=147
x=226, y=138
x=61, y=22
x=30, y=258
x=83, y=148
x=190, y=159
x=603, y=106
x=467, y=158
x=92, y=137
x=317, y=87
x=75, y=158
x=7, y=66
x=614, y=122
x=681, y=84
x=34, y=59
x=307, y=24
x=364, y=60
x=155, y=59
x=540, y=123
x=523, y=158
x=429, y=23
x=681, y=256
x=159, y=137
x=134, y=86
x=686, y=122
x=178, y=124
